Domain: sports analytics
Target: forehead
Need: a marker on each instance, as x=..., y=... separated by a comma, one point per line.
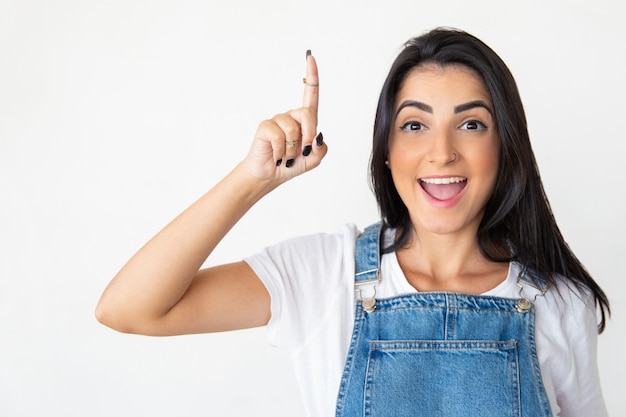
x=433, y=83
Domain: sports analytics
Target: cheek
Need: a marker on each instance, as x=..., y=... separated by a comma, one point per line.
x=402, y=154
x=488, y=165
x=494, y=156
x=485, y=157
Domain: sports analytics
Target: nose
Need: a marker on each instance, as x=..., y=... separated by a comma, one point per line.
x=442, y=149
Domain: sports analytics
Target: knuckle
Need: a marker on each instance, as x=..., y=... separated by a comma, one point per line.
x=292, y=131
x=267, y=126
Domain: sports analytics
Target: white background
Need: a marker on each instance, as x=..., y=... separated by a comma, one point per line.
x=115, y=115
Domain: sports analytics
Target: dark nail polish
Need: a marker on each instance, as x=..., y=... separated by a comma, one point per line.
x=279, y=162
x=307, y=150
x=308, y=52
x=319, y=139
x=289, y=163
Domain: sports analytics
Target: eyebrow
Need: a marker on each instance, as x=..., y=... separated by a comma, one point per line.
x=472, y=105
x=457, y=109
x=417, y=104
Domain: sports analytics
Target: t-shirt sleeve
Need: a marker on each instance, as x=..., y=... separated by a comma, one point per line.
x=303, y=275
x=579, y=391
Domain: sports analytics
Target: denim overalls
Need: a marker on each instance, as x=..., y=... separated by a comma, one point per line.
x=438, y=354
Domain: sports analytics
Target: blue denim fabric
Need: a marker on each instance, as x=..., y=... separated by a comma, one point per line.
x=439, y=354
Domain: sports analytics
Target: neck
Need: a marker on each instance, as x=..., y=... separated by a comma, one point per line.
x=448, y=262
x=442, y=255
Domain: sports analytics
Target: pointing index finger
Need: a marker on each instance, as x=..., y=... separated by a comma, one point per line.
x=311, y=85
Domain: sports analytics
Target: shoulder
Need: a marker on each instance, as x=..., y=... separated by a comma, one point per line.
x=564, y=313
x=571, y=305
x=306, y=266
x=561, y=301
x=312, y=246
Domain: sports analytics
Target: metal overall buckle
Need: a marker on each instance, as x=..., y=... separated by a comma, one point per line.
x=523, y=303
x=368, y=303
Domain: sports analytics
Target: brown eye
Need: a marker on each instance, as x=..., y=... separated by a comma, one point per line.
x=412, y=126
x=473, y=125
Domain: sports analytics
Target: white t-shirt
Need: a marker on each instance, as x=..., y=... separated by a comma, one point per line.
x=311, y=283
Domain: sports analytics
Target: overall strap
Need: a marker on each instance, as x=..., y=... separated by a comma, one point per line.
x=368, y=254
x=367, y=267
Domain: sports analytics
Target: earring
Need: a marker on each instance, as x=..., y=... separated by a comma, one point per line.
x=387, y=162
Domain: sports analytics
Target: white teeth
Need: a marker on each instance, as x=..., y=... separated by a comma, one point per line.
x=448, y=180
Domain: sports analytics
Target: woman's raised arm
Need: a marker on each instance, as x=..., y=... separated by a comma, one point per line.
x=161, y=291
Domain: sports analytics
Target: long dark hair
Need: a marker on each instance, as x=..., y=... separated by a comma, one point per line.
x=518, y=224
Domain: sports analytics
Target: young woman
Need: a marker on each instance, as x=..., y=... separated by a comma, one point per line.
x=463, y=300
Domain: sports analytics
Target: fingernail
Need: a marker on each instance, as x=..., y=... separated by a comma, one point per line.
x=289, y=163
x=308, y=52
x=319, y=139
x=280, y=161
x=307, y=150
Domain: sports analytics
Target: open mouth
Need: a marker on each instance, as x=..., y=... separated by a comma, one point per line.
x=443, y=188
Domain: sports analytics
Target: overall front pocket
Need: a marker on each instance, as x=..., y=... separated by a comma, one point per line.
x=451, y=378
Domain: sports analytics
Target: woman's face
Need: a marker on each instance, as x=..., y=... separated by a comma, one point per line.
x=444, y=149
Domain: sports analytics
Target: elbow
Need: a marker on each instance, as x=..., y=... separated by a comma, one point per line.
x=112, y=318
x=104, y=316
x=124, y=321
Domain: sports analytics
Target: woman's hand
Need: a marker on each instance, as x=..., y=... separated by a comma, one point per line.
x=288, y=144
